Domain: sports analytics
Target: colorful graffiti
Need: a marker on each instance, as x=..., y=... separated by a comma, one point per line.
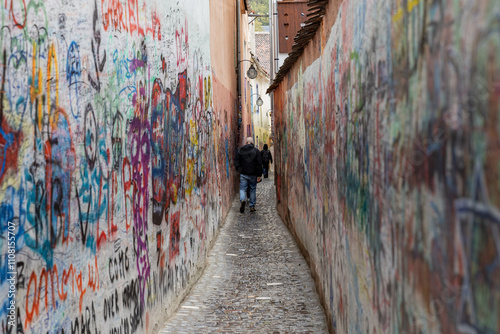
x=115, y=146
x=387, y=151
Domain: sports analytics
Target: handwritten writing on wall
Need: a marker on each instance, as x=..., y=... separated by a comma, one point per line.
x=387, y=165
x=109, y=159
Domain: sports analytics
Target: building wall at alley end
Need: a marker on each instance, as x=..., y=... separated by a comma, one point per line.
x=388, y=164
x=116, y=159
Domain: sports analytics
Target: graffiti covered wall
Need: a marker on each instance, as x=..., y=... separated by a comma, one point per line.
x=115, y=169
x=388, y=146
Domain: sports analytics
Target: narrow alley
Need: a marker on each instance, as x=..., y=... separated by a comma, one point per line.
x=127, y=128
x=256, y=280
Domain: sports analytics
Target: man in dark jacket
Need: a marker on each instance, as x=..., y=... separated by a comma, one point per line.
x=249, y=164
x=267, y=158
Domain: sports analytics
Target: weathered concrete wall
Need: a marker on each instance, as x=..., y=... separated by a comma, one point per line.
x=388, y=146
x=116, y=146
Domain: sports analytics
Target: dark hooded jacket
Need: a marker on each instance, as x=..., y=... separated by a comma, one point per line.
x=263, y=153
x=248, y=161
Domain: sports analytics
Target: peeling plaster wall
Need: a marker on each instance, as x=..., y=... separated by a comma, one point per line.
x=387, y=151
x=116, y=146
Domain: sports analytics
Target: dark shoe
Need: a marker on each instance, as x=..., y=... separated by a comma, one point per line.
x=252, y=209
x=242, y=207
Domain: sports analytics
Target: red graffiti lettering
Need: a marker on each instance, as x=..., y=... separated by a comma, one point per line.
x=39, y=287
x=174, y=235
x=181, y=43
x=34, y=308
x=17, y=12
x=127, y=188
x=114, y=16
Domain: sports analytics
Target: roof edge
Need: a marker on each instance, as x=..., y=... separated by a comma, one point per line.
x=259, y=66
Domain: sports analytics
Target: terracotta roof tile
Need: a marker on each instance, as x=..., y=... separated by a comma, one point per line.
x=262, y=49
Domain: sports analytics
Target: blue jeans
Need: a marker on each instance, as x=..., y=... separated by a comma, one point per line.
x=247, y=181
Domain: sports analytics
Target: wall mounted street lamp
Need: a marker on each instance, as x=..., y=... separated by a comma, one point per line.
x=252, y=72
x=259, y=100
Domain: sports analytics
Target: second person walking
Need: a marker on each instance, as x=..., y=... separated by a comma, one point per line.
x=249, y=164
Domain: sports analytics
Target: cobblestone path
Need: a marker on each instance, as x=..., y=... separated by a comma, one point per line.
x=256, y=280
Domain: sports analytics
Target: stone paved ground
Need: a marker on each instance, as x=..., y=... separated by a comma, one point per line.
x=256, y=280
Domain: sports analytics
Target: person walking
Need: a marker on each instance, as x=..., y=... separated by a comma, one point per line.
x=249, y=164
x=266, y=159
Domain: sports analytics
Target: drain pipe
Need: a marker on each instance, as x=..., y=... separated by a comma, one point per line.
x=238, y=42
x=273, y=51
x=272, y=38
x=238, y=71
